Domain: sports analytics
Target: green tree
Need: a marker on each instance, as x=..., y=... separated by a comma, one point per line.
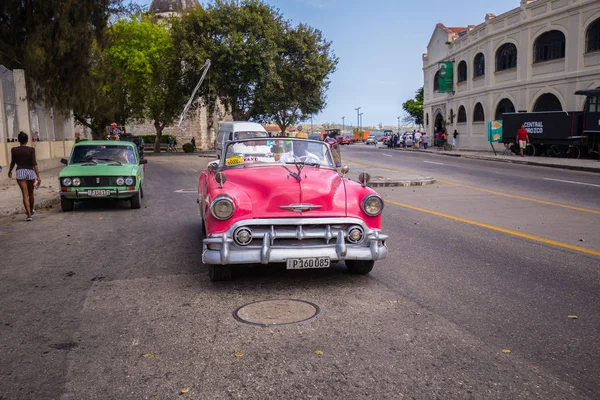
x=52, y=41
x=144, y=55
x=414, y=108
x=298, y=87
x=241, y=40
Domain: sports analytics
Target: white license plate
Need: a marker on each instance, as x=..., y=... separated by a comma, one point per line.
x=304, y=263
x=98, y=193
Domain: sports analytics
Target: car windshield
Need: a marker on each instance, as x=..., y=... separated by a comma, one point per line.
x=103, y=153
x=277, y=151
x=241, y=135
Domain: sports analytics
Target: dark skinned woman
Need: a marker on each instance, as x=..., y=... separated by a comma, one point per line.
x=23, y=157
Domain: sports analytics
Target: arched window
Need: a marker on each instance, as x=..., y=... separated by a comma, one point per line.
x=592, y=37
x=505, y=106
x=549, y=46
x=547, y=102
x=506, y=57
x=462, y=71
x=478, y=115
x=479, y=65
x=436, y=81
x=451, y=116
x=462, y=115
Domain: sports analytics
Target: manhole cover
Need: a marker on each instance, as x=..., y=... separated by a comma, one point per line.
x=276, y=312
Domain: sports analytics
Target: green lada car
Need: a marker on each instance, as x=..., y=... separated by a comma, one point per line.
x=102, y=170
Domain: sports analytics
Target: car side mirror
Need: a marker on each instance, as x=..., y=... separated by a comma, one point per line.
x=345, y=169
x=213, y=166
x=143, y=161
x=64, y=161
x=364, y=178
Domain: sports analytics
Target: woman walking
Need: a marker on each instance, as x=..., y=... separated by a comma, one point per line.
x=23, y=157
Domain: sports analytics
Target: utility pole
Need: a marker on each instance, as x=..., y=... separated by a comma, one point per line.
x=358, y=120
x=398, y=125
x=343, y=124
x=311, y=124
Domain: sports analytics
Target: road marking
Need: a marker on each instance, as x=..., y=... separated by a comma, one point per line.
x=431, y=162
x=577, y=183
x=549, y=203
x=499, y=229
x=387, y=155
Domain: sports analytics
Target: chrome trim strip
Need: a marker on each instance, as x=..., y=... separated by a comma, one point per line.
x=301, y=207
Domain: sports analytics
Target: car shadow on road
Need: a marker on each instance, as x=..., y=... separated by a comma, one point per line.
x=102, y=205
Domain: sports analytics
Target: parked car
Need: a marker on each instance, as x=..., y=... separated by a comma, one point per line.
x=237, y=130
x=345, y=139
x=138, y=140
x=371, y=140
x=408, y=139
x=102, y=169
x=287, y=205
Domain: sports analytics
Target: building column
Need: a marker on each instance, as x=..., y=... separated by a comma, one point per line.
x=22, y=101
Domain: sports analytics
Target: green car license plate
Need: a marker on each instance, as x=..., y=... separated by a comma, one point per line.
x=98, y=193
x=304, y=263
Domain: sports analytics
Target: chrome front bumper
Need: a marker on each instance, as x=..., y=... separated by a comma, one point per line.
x=83, y=194
x=311, y=238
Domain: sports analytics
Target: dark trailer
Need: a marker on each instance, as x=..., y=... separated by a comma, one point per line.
x=591, y=121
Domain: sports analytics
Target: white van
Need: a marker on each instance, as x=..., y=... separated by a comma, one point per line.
x=238, y=130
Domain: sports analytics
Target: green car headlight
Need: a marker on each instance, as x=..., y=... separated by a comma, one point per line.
x=120, y=181
x=76, y=181
x=222, y=207
x=67, y=181
x=372, y=205
x=129, y=181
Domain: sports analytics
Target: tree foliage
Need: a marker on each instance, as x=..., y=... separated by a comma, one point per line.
x=52, y=41
x=414, y=108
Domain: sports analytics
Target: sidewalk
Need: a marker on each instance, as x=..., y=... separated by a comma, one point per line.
x=563, y=163
x=11, y=200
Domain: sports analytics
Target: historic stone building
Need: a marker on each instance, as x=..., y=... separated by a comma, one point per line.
x=199, y=122
x=532, y=58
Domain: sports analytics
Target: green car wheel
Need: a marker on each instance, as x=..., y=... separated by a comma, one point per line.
x=136, y=201
x=66, y=204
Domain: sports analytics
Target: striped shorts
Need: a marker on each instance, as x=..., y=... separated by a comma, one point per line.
x=26, y=175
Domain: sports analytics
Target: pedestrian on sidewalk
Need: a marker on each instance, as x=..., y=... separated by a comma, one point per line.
x=417, y=139
x=194, y=144
x=454, y=135
x=425, y=138
x=28, y=175
x=522, y=139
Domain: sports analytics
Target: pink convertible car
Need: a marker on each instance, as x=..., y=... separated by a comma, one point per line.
x=282, y=200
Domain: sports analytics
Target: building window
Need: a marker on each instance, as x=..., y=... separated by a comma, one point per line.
x=593, y=104
x=549, y=46
x=478, y=114
x=479, y=65
x=427, y=119
x=462, y=71
x=592, y=37
x=436, y=81
x=462, y=115
x=547, y=102
x=505, y=106
x=506, y=57
x=451, y=116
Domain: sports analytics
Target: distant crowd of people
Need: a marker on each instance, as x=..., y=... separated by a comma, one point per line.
x=417, y=139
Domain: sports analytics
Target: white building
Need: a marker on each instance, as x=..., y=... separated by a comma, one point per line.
x=532, y=58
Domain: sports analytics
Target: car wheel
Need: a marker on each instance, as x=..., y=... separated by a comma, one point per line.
x=220, y=272
x=141, y=191
x=136, y=201
x=359, y=267
x=66, y=204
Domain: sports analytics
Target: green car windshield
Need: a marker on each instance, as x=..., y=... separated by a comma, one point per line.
x=103, y=153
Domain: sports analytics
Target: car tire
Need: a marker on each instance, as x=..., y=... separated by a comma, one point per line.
x=141, y=191
x=360, y=267
x=136, y=201
x=220, y=272
x=66, y=204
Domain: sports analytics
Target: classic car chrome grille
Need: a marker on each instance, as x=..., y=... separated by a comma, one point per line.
x=296, y=235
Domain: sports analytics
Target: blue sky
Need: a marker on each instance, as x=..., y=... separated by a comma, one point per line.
x=379, y=44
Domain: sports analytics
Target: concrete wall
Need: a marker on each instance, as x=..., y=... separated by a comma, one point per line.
x=53, y=132
x=524, y=84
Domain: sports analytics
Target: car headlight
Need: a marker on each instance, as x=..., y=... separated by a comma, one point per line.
x=76, y=181
x=372, y=205
x=120, y=181
x=67, y=181
x=222, y=207
x=129, y=181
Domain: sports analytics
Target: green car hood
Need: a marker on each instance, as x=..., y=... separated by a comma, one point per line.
x=101, y=169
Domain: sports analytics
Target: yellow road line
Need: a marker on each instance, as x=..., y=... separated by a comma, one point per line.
x=550, y=203
x=499, y=229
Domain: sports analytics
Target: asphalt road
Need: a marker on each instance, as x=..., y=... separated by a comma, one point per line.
x=111, y=303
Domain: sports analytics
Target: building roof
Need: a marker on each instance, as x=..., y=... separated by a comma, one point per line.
x=452, y=29
x=165, y=6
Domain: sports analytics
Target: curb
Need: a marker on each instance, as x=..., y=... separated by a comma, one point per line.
x=394, y=183
x=39, y=204
x=522, y=162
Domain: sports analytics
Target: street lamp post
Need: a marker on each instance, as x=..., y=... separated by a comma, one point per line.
x=311, y=124
x=358, y=120
x=398, y=125
x=343, y=124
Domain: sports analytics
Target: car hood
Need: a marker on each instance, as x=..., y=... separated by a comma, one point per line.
x=100, y=169
x=270, y=187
